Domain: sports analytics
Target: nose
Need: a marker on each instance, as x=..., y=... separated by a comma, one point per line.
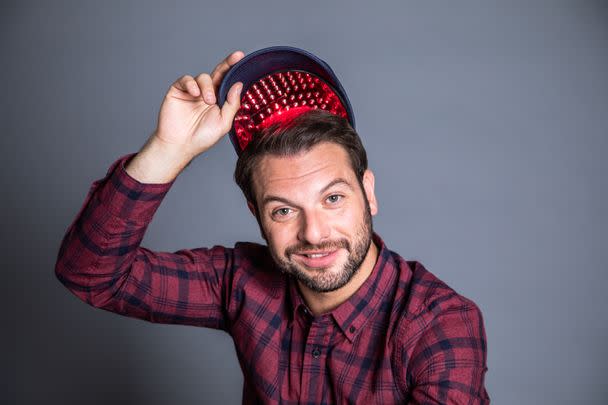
x=314, y=228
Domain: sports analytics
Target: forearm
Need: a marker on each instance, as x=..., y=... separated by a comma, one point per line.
x=99, y=247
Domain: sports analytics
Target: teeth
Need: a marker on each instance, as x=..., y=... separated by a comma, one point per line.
x=313, y=256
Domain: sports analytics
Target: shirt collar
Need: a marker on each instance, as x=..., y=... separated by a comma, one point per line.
x=352, y=315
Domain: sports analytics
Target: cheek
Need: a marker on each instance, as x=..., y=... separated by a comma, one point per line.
x=348, y=218
x=279, y=236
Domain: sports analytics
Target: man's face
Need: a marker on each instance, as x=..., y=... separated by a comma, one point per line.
x=315, y=216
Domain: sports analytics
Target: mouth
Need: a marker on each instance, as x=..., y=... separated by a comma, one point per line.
x=317, y=259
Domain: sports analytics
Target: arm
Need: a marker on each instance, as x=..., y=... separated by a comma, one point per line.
x=449, y=361
x=102, y=263
x=100, y=259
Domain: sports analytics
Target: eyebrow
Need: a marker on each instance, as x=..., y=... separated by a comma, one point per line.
x=273, y=198
x=335, y=182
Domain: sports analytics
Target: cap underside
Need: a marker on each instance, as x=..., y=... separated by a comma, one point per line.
x=270, y=100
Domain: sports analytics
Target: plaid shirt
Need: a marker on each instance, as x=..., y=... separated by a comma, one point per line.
x=403, y=337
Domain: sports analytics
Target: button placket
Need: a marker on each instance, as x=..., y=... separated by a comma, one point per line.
x=318, y=337
x=314, y=358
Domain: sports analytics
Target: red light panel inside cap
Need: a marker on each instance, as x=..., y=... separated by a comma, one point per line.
x=279, y=96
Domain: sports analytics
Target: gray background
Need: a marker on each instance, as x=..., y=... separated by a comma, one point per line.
x=486, y=126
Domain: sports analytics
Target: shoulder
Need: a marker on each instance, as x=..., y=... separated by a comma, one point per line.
x=429, y=296
x=418, y=292
x=421, y=303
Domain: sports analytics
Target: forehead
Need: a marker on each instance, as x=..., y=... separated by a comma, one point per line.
x=305, y=171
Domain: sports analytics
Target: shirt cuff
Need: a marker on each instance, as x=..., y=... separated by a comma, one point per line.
x=127, y=198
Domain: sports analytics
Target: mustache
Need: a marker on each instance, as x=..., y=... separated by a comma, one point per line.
x=308, y=247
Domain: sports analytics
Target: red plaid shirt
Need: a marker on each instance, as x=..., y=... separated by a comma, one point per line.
x=403, y=337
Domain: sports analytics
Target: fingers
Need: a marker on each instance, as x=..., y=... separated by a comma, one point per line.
x=206, y=85
x=220, y=70
x=188, y=84
x=232, y=104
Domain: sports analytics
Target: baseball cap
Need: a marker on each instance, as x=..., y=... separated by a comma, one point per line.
x=281, y=82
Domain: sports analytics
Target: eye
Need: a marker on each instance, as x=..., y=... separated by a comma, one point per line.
x=281, y=212
x=334, y=198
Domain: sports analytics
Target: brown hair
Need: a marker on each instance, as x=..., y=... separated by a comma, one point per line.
x=296, y=135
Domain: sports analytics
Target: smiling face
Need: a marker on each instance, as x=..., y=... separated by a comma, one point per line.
x=315, y=216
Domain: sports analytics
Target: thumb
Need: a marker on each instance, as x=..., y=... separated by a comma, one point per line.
x=232, y=104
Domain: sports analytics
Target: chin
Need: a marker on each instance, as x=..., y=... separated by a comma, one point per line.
x=323, y=279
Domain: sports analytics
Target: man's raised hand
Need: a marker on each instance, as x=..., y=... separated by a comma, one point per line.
x=189, y=123
x=189, y=115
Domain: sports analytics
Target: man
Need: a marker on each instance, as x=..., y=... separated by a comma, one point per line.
x=325, y=313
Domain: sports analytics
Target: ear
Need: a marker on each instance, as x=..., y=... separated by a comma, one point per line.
x=368, y=187
x=252, y=208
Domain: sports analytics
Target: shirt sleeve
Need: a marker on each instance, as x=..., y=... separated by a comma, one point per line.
x=101, y=261
x=448, y=363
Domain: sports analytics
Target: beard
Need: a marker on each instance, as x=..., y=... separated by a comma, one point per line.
x=325, y=280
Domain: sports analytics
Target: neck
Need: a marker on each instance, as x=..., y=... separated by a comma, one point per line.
x=323, y=302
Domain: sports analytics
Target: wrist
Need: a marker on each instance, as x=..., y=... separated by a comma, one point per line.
x=158, y=162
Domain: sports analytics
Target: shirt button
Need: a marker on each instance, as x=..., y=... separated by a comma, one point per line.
x=316, y=353
x=352, y=329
